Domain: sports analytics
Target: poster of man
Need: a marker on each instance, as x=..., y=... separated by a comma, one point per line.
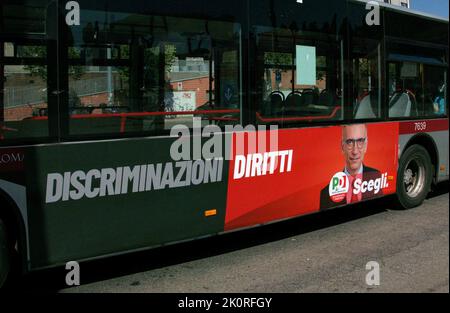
x=347, y=186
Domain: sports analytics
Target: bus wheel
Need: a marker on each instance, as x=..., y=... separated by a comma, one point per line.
x=5, y=259
x=414, y=177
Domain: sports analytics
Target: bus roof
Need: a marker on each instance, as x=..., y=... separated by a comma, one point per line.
x=408, y=11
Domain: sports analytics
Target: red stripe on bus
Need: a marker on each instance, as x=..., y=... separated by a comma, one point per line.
x=424, y=126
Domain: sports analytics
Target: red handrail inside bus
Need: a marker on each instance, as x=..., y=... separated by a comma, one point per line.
x=123, y=116
x=4, y=129
x=139, y=114
x=224, y=119
x=298, y=119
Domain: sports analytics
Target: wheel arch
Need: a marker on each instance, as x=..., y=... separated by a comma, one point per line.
x=429, y=144
x=15, y=224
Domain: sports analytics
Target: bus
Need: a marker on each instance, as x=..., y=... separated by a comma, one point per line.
x=127, y=125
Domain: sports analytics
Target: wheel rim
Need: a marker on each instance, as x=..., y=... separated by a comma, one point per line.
x=414, y=177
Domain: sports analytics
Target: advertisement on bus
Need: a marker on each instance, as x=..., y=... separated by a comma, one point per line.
x=314, y=169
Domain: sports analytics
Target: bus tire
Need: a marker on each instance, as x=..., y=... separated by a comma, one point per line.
x=414, y=177
x=5, y=255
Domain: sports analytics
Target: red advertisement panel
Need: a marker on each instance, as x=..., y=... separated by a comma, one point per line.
x=310, y=170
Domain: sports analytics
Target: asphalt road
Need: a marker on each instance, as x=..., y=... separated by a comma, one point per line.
x=325, y=252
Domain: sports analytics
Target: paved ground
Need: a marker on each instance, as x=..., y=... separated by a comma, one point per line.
x=318, y=253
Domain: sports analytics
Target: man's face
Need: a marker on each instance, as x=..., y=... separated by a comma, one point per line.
x=354, y=146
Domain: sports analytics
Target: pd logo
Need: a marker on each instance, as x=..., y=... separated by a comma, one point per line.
x=338, y=187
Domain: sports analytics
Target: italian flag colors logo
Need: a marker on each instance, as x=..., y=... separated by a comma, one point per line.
x=338, y=187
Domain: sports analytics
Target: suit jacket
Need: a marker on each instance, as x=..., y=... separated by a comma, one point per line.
x=368, y=174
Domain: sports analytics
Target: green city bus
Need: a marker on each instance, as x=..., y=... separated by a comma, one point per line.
x=127, y=125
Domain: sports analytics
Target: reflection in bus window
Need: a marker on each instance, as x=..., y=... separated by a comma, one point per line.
x=301, y=78
x=131, y=73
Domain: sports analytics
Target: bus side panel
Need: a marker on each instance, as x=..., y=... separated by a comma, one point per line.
x=316, y=180
x=82, y=207
x=79, y=209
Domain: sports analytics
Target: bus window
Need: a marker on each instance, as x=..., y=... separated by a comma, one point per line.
x=416, y=90
x=417, y=79
x=301, y=77
x=133, y=73
x=24, y=73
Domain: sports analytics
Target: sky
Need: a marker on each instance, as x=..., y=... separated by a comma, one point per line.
x=435, y=7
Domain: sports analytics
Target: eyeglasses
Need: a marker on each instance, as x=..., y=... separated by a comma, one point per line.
x=359, y=142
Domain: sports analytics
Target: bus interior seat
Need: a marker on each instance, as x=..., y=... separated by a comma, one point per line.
x=294, y=100
x=326, y=98
x=310, y=97
x=276, y=98
x=413, y=99
x=364, y=109
x=275, y=103
x=400, y=105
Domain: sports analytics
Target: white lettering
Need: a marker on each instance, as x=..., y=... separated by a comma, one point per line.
x=91, y=192
x=107, y=179
x=261, y=164
x=239, y=167
x=198, y=170
x=75, y=181
x=54, y=187
x=375, y=185
x=139, y=178
x=11, y=158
